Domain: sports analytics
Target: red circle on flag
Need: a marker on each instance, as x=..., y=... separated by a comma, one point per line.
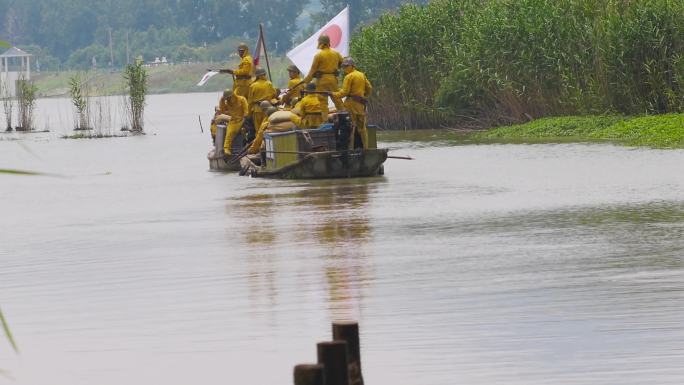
x=334, y=32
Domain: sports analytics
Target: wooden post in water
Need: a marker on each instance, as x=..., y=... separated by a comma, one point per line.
x=310, y=374
x=333, y=356
x=348, y=331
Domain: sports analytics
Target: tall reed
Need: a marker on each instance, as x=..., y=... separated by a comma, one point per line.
x=78, y=91
x=7, y=105
x=26, y=96
x=499, y=61
x=135, y=77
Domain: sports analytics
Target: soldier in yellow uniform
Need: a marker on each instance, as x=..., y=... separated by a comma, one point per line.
x=294, y=85
x=232, y=108
x=242, y=74
x=309, y=109
x=259, y=139
x=325, y=66
x=356, y=89
x=259, y=91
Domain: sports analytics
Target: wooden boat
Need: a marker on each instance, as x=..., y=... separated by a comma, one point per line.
x=317, y=153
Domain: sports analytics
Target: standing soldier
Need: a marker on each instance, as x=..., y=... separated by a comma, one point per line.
x=233, y=109
x=356, y=88
x=325, y=67
x=294, y=85
x=243, y=74
x=259, y=91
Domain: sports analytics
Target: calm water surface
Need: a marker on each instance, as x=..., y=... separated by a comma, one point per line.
x=473, y=264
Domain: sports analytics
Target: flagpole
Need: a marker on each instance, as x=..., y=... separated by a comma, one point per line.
x=263, y=39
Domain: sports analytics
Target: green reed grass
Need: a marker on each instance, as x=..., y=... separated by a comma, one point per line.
x=135, y=76
x=491, y=62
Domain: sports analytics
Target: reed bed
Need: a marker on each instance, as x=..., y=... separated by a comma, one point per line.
x=492, y=62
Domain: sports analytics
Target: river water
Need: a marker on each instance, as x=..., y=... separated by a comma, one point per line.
x=472, y=264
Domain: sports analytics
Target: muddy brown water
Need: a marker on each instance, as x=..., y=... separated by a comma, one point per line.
x=472, y=264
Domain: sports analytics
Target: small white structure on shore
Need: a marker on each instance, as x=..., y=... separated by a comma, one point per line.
x=15, y=64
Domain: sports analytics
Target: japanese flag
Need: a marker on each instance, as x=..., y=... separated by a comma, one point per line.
x=338, y=31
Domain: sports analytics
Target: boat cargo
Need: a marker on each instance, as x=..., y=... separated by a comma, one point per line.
x=316, y=153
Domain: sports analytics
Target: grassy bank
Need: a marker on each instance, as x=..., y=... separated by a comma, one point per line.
x=180, y=78
x=657, y=131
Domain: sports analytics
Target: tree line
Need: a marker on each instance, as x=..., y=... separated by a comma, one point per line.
x=71, y=32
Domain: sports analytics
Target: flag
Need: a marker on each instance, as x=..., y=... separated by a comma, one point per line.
x=206, y=78
x=338, y=31
x=260, y=47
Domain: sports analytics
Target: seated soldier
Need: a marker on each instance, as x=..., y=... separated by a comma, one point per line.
x=309, y=110
x=277, y=121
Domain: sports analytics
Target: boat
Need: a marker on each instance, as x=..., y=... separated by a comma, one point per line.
x=316, y=153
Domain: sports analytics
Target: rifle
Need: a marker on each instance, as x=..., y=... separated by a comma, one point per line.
x=221, y=70
x=326, y=93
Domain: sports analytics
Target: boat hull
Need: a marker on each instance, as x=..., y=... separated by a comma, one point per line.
x=323, y=165
x=223, y=162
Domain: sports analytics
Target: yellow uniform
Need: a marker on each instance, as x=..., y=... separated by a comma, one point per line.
x=293, y=92
x=259, y=138
x=324, y=68
x=356, y=89
x=310, y=112
x=259, y=91
x=236, y=107
x=243, y=75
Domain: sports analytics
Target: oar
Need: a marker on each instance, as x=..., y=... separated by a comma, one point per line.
x=399, y=157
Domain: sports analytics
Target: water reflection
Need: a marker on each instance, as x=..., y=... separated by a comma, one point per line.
x=332, y=228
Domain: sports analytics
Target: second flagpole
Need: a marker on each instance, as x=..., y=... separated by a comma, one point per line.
x=263, y=39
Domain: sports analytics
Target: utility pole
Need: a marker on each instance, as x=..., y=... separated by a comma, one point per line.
x=128, y=55
x=111, y=52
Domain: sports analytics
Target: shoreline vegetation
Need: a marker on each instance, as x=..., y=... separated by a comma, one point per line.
x=664, y=131
x=483, y=64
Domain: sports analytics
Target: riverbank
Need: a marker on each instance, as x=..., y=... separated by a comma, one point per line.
x=166, y=79
x=657, y=131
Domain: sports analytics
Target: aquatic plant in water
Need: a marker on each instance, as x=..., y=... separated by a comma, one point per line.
x=135, y=77
x=7, y=105
x=27, y=93
x=79, y=98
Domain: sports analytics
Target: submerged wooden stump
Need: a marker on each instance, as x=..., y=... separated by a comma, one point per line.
x=309, y=374
x=348, y=331
x=333, y=356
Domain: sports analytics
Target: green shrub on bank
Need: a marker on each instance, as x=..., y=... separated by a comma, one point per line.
x=491, y=62
x=660, y=131
x=565, y=126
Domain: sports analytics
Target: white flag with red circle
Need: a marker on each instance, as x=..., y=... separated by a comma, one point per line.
x=338, y=31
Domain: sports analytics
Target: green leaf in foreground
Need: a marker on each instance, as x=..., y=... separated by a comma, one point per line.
x=8, y=333
x=4, y=44
x=18, y=172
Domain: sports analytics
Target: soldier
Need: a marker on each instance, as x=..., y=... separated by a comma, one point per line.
x=293, y=85
x=259, y=91
x=309, y=109
x=243, y=74
x=356, y=89
x=325, y=68
x=232, y=108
